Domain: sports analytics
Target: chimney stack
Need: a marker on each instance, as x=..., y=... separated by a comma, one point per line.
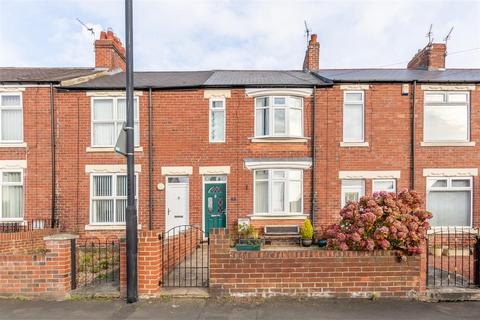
x=312, y=55
x=109, y=52
x=432, y=57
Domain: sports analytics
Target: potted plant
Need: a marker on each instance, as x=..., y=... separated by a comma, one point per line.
x=248, y=239
x=306, y=232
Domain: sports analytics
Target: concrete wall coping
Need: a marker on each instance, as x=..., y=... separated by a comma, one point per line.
x=61, y=236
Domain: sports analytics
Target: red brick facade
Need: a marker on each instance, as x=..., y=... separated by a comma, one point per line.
x=180, y=138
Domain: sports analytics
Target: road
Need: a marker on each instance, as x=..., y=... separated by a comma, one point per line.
x=275, y=309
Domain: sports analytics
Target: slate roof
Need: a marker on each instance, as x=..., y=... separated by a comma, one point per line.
x=37, y=75
x=233, y=78
x=215, y=78
x=400, y=75
x=174, y=79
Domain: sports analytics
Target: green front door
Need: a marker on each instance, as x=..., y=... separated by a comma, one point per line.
x=215, y=203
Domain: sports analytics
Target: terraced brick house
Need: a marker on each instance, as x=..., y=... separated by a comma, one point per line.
x=212, y=147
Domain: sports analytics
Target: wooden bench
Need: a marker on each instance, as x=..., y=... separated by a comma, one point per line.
x=284, y=234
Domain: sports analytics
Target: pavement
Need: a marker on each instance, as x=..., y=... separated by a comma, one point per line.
x=223, y=309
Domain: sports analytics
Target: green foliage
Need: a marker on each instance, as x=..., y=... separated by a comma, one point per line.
x=306, y=232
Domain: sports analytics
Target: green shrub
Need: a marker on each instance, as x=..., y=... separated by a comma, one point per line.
x=307, y=230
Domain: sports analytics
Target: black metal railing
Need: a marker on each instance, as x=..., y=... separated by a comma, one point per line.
x=453, y=257
x=95, y=261
x=27, y=225
x=185, y=257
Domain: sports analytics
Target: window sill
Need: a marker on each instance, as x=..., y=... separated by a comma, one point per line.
x=353, y=144
x=280, y=140
x=13, y=221
x=106, y=227
x=450, y=230
x=448, y=144
x=13, y=145
x=277, y=216
x=108, y=149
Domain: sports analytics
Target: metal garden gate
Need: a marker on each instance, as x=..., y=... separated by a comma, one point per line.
x=453, y=257
x=185, y=257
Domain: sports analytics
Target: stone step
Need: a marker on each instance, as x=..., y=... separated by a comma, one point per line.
x=453, y=294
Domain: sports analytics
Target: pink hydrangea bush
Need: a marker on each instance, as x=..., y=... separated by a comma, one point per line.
x=385, y=221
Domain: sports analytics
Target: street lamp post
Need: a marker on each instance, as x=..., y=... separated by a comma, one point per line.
x=131, y=210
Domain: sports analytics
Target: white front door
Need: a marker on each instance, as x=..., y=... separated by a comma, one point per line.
x=176, y=213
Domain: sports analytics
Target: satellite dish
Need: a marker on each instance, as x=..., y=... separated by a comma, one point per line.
x=121, y=145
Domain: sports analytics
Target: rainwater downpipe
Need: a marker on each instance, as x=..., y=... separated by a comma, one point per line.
x=412, y=138
x=314, y=196
x=150, y=162
x=52, y=141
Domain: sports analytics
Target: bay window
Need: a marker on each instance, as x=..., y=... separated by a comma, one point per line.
x=11, y=118
x=108, y=193
x=450, y=201
x=447, y=117
x=11, y=195
x=108, y=116
x=278, y=116
x=278, y=191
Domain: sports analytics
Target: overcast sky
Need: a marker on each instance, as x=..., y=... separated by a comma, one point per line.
x=202, y=35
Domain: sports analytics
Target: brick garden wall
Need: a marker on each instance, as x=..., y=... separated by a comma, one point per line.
x=314, y=272
x=45, y=274
x=23, y=241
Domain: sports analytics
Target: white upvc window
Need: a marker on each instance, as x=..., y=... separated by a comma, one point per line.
x=11, y=117
x=387, y=185
x=353, y=116
x=217, y=119
x=446, y=116
x=11, y=182
x=108, y=198
x=278, y=116
x=108, y=116
x=449, y=199
x=352, y=190
x=278, y=192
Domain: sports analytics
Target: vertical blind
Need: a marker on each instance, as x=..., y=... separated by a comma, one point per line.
x=11, y=116
x=109, y=198
x=12, y=195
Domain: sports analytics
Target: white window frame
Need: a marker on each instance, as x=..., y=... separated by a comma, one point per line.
x=113, y=197
x=21, y=183
x=11, y=108
x=271, y=117
x=444, y=104
x=348, y=189
x=345, y=93
x=211, y=110
x=116, y=120
x=450, y=188
x=374, y=181
x=270, y=181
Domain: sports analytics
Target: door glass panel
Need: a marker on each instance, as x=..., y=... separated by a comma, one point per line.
x=180, y=179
